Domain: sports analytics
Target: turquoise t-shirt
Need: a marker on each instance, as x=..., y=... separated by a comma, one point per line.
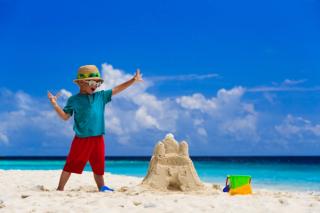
x=88, y=112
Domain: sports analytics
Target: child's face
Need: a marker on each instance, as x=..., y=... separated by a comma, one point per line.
x=88, y=87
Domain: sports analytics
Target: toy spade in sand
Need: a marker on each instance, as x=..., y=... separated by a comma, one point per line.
x=171, y=168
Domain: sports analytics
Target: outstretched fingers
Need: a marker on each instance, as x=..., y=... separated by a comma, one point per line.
x=138, y=75
x=52, y=97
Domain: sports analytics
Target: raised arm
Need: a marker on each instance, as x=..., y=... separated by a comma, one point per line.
x=61, y=113
x=136, y=78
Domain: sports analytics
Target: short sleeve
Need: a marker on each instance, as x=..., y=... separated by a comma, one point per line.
x=68, y=108
x=107, y=94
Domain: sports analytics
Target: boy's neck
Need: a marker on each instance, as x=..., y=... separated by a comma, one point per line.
x=83, y=92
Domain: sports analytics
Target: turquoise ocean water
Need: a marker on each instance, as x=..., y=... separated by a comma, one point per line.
x=285, y=173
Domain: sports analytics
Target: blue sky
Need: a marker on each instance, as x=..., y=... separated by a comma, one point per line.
x=229, y=77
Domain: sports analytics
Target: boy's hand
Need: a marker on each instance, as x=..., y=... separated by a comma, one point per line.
x=138, y=77
x=52, y=98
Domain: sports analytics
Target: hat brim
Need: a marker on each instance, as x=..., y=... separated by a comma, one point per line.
x=86, y=79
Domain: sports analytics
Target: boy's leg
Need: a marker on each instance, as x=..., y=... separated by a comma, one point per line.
x=99, y=180
x=63, y=180
x=76, y=160
x=78, y=155
x=96, y=160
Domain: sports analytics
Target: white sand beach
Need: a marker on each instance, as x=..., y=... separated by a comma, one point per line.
x=35, y=191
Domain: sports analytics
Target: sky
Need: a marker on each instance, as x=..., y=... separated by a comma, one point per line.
x=228, y=77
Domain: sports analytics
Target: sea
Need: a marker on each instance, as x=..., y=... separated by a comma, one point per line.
x=293, y=173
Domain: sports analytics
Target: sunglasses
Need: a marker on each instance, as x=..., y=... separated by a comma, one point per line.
x=89, y=75
x=92, y=83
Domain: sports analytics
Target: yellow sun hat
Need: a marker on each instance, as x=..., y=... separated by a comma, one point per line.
x=88, y=72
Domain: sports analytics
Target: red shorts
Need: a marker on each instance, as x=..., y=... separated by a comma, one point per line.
x=83, y=150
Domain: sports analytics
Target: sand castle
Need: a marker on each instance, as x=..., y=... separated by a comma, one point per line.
x=171, y=168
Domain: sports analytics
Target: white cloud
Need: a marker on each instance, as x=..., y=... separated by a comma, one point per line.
x=242, y=127
x=114, y=124
x=286, y=86
x=314, y=129
x=224, y=116
x=197, y=101
x=225, y=100
x=271, y=98
x=297, y=127
x=29, y=113
x=4, y=138
x=65, y=94
x=23, y=101
x=189, y=77
x=201, y=131
x=145, y=119
x=135, y=109
x=289, y=82
x=232, y=116
x=283, y=89
x=198, y=122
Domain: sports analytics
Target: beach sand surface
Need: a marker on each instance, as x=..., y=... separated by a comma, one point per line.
x=35, y=191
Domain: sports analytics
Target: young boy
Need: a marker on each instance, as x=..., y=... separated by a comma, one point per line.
x=88, y=109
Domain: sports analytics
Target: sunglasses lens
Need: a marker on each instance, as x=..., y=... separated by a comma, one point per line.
x=92, y=83
x=89, y=83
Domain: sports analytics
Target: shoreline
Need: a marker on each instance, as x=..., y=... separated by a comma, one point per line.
x=34, y=191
